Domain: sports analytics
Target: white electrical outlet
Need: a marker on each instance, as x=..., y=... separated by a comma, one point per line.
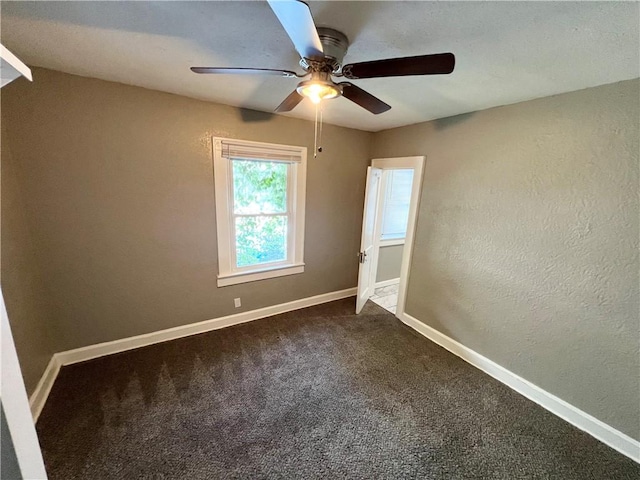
x=237, y=302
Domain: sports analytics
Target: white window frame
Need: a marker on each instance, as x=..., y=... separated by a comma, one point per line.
x=228, y=272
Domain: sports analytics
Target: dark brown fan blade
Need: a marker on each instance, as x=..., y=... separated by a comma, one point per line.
x=437, y=64
x=290, y=102
x=364, y=99
x=296, y=19
x=232, y=70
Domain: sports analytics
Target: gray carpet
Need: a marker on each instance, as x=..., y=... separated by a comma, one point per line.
x=316, y=393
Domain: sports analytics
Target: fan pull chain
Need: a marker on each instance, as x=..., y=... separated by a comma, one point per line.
x=320, y=134
x=317, y=132
x=315, y=135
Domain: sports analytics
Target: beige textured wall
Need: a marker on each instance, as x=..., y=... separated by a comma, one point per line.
x=118, y=185
x=389, y=262
x=527, y=241
x=23, y=284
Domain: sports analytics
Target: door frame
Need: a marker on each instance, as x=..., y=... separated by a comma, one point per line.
x=417, y=164
x=16, y=406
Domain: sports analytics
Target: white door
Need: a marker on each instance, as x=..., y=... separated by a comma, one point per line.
x=15, y=406
x=365, y=286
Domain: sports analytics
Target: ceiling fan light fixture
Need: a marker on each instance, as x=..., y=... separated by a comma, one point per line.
x=318, y=90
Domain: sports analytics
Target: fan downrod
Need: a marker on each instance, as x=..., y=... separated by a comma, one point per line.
x=334, y=45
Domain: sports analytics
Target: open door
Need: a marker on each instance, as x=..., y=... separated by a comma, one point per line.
x=22, y=448
x=368, y=228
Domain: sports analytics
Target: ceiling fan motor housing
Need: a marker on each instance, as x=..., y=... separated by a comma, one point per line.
x=334, y=45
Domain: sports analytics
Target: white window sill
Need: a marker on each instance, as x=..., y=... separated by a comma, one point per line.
x=259, y=274
x=392, y=241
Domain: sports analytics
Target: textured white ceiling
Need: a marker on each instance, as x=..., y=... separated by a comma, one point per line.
x=506, y=52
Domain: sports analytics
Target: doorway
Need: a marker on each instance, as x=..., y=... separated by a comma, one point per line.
x=391, y=201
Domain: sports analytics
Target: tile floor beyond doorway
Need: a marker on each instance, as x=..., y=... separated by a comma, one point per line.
x=386, y=297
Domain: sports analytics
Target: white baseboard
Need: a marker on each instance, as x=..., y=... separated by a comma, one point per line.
x=39, y=396
x=107, y=348
x=386, y=283
x=582, y=420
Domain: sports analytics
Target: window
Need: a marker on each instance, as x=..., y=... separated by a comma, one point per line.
x=260, y=193
x=397, y=196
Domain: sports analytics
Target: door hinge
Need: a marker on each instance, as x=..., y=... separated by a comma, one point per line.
x=362, y=256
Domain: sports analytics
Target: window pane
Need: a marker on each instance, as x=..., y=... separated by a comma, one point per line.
x=259, y=187
x=396, y=206
x=260, y=239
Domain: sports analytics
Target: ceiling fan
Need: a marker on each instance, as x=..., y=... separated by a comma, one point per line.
x=322, y=50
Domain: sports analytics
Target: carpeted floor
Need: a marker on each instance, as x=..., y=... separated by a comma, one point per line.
x=316, y=393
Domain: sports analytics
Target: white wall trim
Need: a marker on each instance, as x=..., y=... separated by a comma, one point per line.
x=582, y=420
x=16, y=405
x=39, y=396
x=41, y=393
x=107, y=348
x=11, y=67
x=391, y=242
x=272, y=272
x=386, y=283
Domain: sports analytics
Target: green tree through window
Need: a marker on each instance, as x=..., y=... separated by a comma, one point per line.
x=260, y=211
